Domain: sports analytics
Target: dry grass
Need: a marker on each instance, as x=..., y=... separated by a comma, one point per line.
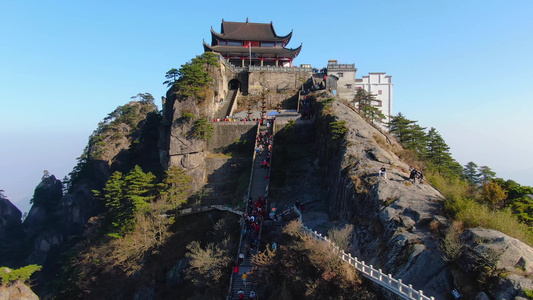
x=473, y=214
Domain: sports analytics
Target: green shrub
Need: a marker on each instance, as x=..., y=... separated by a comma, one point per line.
x=203, y=130
x=338, y=129
x=9, y=276
x=472, y=213
x=187, y=115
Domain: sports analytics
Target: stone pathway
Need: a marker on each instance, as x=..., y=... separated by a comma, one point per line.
x=258, y=189
x=223, y=111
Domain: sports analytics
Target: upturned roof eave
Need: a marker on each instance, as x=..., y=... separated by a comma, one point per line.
x=233, y=36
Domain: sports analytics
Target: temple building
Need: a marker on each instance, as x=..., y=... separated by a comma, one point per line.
x=252, y=44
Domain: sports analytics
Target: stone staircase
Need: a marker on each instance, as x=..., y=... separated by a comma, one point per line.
x=258, y=187
x=224, y=110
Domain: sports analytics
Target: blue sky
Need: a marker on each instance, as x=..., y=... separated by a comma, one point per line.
x=463, y=67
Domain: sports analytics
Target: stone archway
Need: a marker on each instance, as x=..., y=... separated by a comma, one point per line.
x=234, y=84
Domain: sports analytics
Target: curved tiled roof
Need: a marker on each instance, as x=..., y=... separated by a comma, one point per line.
x=245, y=31
x=257, y=51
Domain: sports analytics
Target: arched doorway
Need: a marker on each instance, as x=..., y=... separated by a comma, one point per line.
x=234, y=84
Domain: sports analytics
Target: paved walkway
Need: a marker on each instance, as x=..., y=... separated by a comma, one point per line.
x=258, y=189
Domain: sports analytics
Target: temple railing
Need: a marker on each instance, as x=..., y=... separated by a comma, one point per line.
x=227, y=63
x=396, y=286
x=272, y=69
x=333, y=67
x=230, y=122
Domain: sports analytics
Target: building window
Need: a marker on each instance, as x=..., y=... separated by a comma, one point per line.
x=380, y=92
x=349, y=86
x=340, y=75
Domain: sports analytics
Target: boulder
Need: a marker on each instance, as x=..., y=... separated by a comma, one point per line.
x=17, y=291
x=508, y=253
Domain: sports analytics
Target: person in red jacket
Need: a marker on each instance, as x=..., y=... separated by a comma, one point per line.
x=236, y=271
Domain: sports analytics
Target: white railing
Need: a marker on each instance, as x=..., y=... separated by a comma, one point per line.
x=232, y=122
x=405, y=291
x=194, y=210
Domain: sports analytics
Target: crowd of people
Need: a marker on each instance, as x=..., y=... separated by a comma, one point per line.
x=255, y=214
x=264, y=142
x=305, y=108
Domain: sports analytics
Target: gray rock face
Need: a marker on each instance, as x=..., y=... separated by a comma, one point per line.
x=392, y=214
x=9, y=216
x=177, y=146
x=508, y=253
x=46, y=199
x=491, y=248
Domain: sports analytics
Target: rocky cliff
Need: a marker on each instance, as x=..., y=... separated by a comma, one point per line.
x=396, y=221
x=9, y=216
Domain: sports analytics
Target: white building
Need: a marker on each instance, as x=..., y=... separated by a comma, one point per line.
x=343, y=82
x=379, y=84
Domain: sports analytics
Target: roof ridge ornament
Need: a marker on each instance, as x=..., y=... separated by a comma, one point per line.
x=246, y=20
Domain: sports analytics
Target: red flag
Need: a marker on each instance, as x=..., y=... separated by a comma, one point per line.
x=248, y=45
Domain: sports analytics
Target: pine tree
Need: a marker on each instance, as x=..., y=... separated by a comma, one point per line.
x=365, y=103
x=438, y=152
x=416, y=139
x=176, y=186
x=171, y=76
x=400, y=127
x=470, y=173
x=486, y=174
x=203, y=130
x=194, y=76
x=126, y=195
x=139, y=188
x=361, y=99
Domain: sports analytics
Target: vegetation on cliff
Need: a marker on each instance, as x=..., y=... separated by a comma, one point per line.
x=193, y=78
x=308, y=268
x=366, y=103
x=9, y=276
x=127, y=136
x=474, y=196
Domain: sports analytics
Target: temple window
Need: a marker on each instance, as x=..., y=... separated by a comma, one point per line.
x=268, y=44
x=234, y=43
